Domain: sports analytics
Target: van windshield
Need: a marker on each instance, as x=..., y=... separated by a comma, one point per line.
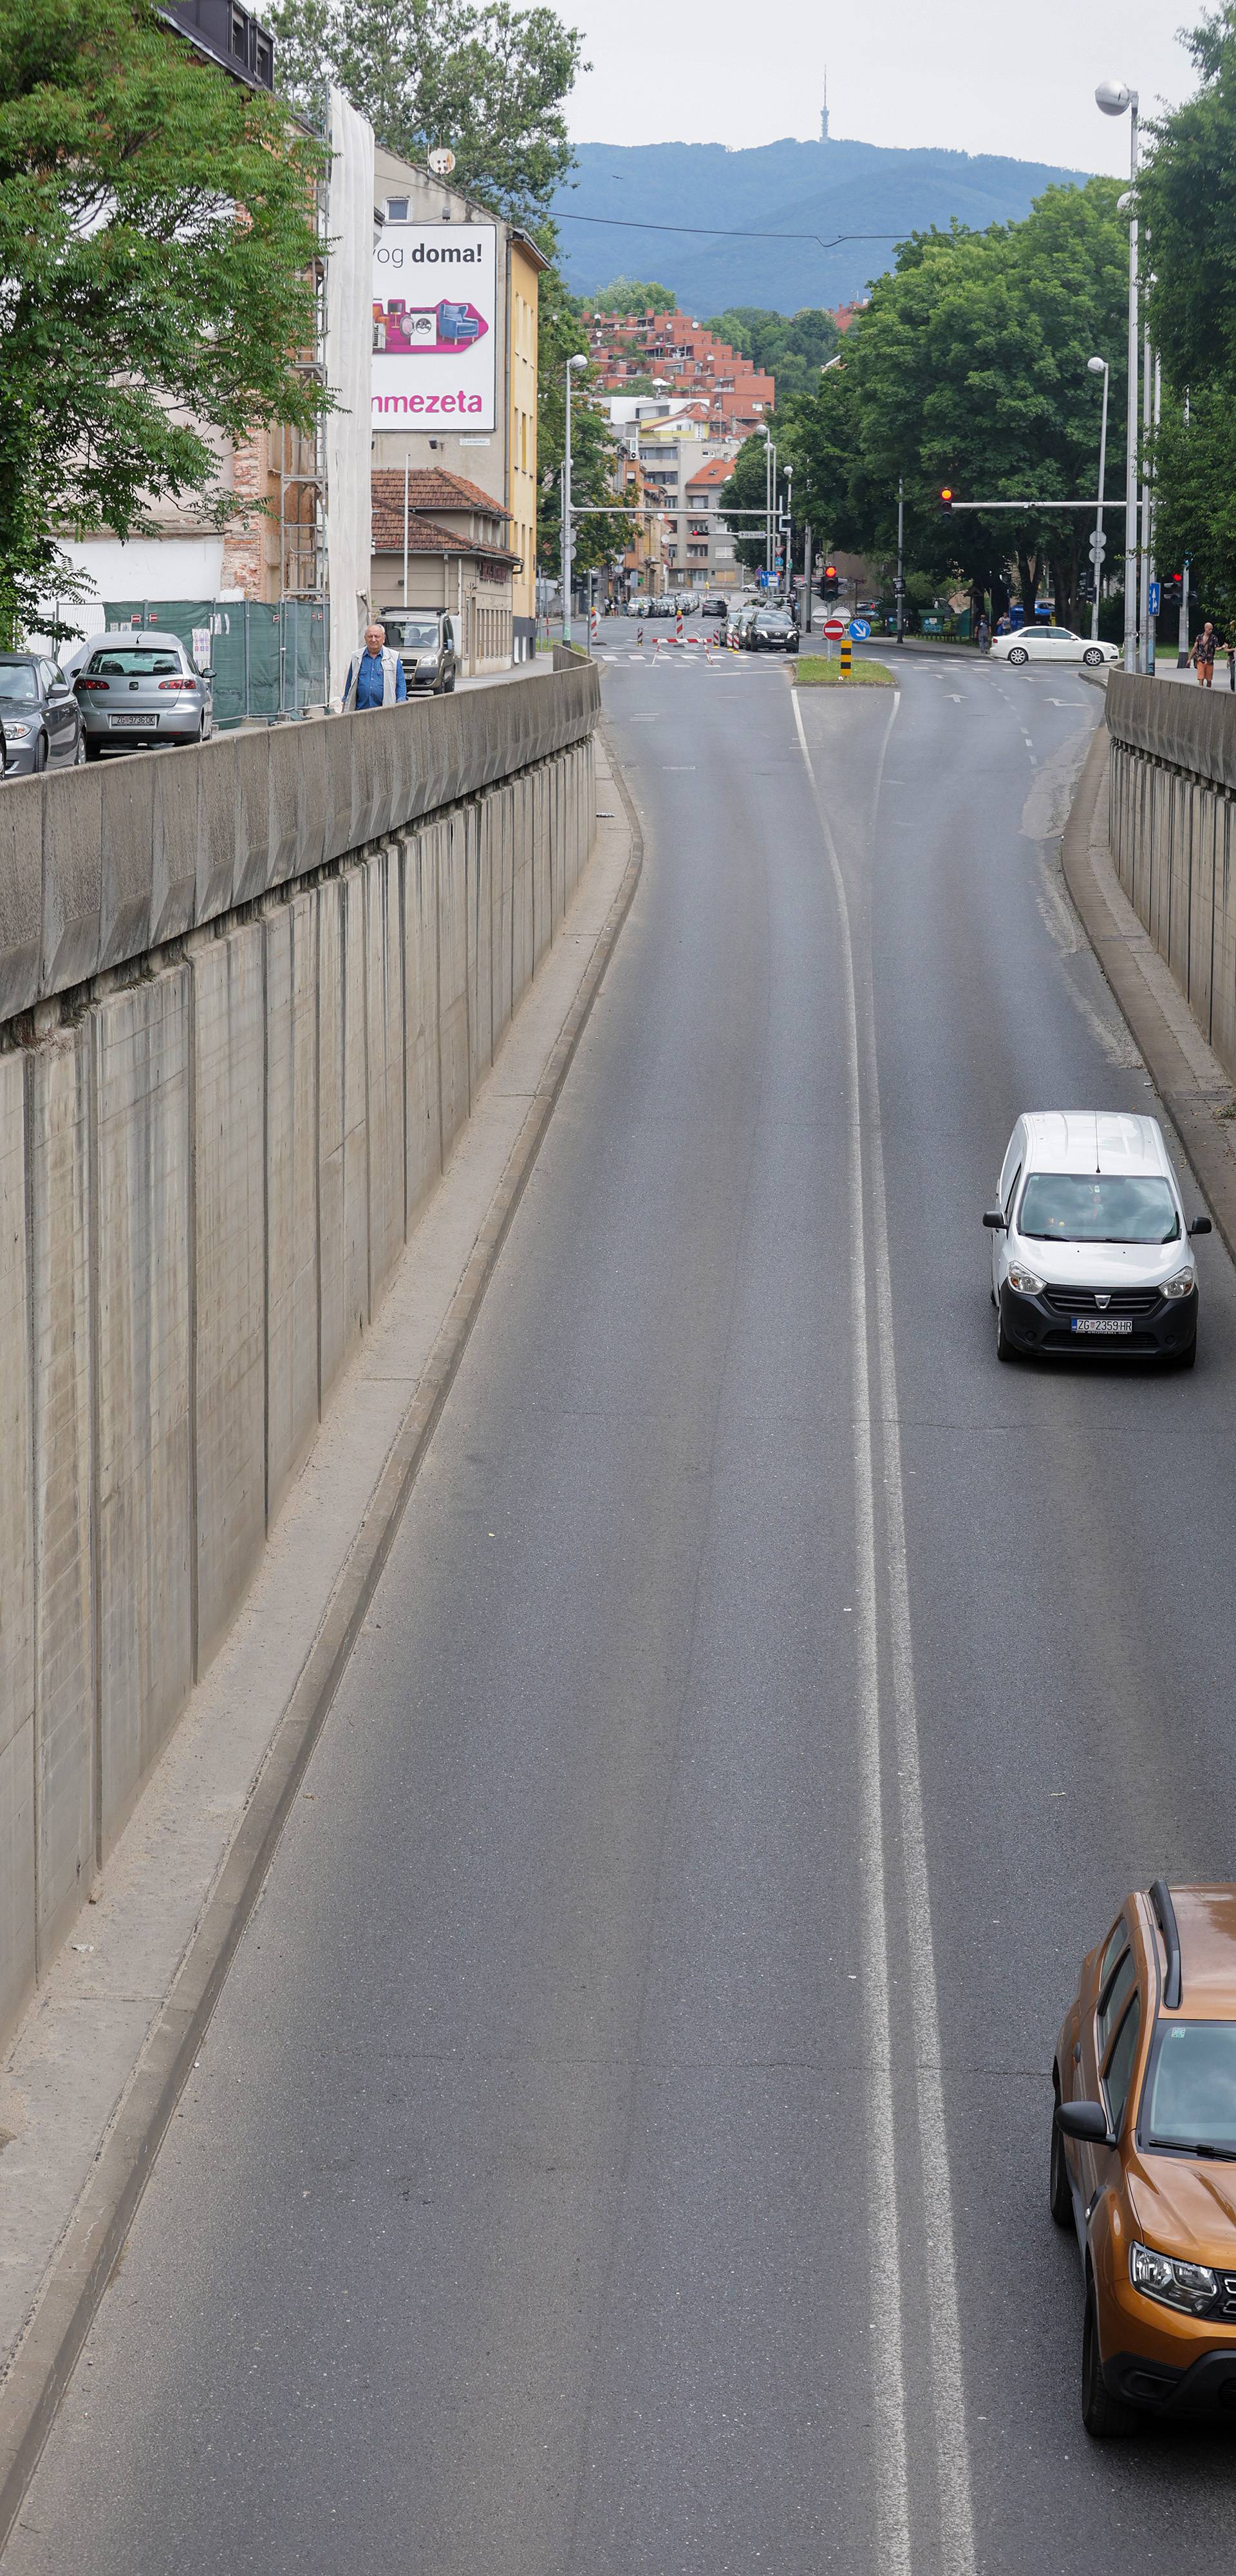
x=1097, y=1207
x=413, y=634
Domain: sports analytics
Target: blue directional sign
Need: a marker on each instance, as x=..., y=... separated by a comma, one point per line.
x=1154, y=595
x=859, y=629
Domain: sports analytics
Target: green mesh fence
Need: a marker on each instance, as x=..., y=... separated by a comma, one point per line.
x=268, y=662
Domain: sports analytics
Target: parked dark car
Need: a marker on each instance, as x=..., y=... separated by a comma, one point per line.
x=42, y=728
x=140, y=690
x=772, y=631
x=741, y=623
x=424, y=639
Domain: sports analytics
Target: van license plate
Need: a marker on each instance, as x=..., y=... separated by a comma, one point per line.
x=1102, y=1323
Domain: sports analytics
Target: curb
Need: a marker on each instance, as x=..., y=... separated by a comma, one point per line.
x=94, y=2240
x=1174, y=1078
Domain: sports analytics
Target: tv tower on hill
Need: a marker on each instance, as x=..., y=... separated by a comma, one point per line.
x=824, y=111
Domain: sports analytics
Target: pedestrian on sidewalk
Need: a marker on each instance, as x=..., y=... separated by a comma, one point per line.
x=1203, y=655
x=1230, y=650
x=375, y=677
x=984, y=631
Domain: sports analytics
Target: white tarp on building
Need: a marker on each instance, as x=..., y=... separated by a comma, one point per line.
x=349, y=356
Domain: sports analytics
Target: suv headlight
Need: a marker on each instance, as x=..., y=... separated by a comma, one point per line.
x=1181, y=1284
x=1191, y=2286
x=1026, y=1282
x=17, y=732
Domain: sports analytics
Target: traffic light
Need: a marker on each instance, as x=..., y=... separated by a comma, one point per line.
x=946, y=500
x=830, y=585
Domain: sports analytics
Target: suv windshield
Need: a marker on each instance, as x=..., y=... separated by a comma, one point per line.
x=1191, y=2094
x=133, y=662
x=1097, y=1207
x=17, y=682
x=413, y=634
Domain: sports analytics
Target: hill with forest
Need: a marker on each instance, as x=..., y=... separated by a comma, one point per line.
x=624, y=207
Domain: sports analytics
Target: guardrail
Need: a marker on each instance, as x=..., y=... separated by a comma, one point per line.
x=1191, y=729
x=100, y=865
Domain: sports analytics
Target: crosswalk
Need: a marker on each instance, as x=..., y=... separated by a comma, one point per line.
x=677, y=656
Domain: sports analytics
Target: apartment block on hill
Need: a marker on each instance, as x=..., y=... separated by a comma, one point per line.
x=683, y=358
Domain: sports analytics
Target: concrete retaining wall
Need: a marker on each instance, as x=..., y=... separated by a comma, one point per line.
x=1173, y=837
x=209, y=1165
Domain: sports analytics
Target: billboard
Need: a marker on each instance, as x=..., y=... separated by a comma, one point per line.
x=435, y=333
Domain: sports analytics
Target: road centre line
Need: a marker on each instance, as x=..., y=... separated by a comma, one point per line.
x=948, y=2383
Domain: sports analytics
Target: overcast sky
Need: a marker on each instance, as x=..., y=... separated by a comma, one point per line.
x=1013, y=76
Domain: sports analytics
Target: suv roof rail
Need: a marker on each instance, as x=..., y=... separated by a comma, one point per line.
x=1165, y=1911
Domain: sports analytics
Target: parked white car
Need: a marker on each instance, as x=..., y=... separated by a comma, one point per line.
x=1050, y=644
x=1090, y=1246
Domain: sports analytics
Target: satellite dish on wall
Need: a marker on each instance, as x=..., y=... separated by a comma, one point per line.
x=441, y=162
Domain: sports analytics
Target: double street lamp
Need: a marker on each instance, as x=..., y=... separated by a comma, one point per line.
x=1116, y=98
x=573, y=367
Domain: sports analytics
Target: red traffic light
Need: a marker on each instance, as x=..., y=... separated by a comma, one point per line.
x=946, y=497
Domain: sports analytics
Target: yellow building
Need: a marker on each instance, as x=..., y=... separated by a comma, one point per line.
x=524, y=265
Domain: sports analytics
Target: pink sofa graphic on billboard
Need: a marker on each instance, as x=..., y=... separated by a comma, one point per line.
x=403, y=330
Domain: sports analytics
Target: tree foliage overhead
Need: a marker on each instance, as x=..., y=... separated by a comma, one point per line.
x=970, y=368
x=1187, y=196
x=792, y=347
x=156, y=241
x=634, y=295
x=487, y=81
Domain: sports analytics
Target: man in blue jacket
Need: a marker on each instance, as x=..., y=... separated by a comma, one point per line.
x=375, y=677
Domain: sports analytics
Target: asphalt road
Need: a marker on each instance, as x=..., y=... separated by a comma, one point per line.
x=621, y=2147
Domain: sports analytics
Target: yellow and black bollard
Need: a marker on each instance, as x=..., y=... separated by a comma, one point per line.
x=846, y=655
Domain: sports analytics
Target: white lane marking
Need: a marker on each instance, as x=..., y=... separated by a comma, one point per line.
x=889, y=2389
x=948, y=2380
x=951, y=695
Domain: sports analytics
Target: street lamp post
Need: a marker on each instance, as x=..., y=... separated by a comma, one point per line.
x=901, y=559
x=789, y=531
x=573, y=366
x=1099, y=367
x=1115, y=98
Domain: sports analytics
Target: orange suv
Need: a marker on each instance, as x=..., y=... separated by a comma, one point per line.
x=1143, y=2157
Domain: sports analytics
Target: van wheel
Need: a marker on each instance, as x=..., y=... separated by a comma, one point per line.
x=1060, y=2195
x=1004, y=1347
x=1186, y=1358
x=1106, y=2418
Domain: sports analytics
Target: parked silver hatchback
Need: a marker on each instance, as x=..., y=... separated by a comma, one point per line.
x=142, y=689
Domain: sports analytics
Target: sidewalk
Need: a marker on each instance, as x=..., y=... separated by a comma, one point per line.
x=93, y=2074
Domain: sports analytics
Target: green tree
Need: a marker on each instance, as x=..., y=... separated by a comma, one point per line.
x=156, y=237
x=634, y=295
x=1195, y=510
x=792, y=347
x=595, y=451
x=747, y=490
x=970, y=368
x=1187, y=197
x=488, y=81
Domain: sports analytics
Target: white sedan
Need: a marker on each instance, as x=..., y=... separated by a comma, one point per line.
x=1050, y=644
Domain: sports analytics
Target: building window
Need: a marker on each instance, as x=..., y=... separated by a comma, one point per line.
x=397, y=209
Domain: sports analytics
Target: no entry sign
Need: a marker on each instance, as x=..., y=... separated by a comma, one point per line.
x=834, y=628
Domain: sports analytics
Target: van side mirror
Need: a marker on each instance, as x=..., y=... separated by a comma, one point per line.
x=1201, y=1225
x=1086, y=2121
x=994, y=1217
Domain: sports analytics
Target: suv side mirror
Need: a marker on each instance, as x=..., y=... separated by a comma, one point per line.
x=1086, y=2121
x=994, y=1218
x=1201, y=1225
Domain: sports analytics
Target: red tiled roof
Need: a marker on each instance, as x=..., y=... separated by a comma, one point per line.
x=429, y=488
x=717, y=470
